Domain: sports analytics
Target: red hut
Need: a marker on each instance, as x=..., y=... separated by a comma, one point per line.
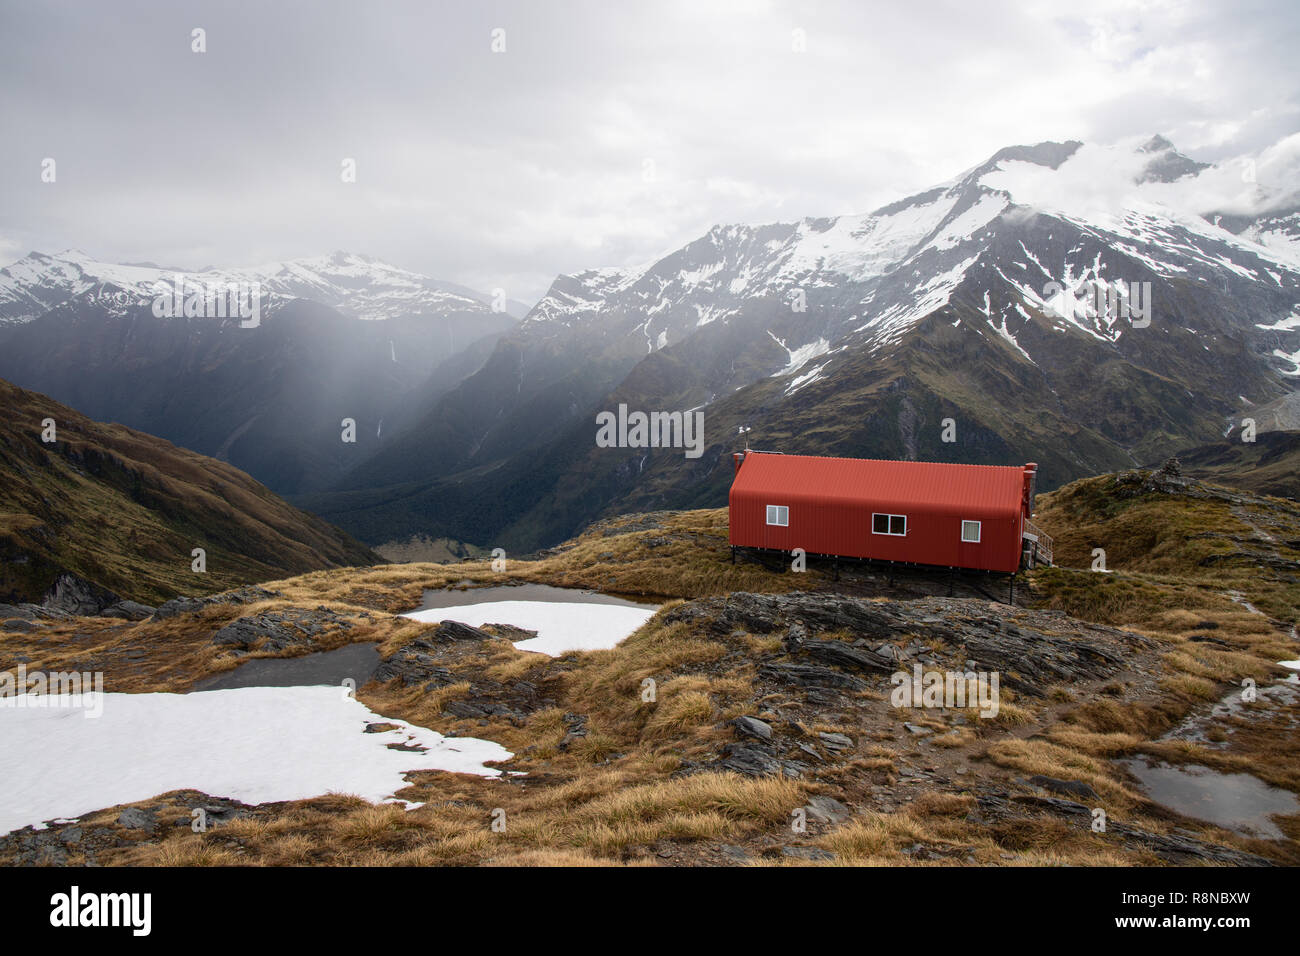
x=915, y=512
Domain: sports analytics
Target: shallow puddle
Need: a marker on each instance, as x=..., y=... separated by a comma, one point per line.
x=1236, y=801
x=357, y=661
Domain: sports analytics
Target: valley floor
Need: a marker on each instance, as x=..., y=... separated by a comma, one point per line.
x=752, y=719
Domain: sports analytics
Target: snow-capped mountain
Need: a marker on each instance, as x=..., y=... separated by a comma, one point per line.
x=354, y=285
x=268, y=397
x=869, y=278
x=856, y=335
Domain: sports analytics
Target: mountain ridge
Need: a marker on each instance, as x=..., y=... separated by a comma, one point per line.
x=359, y=286
x=121, y=511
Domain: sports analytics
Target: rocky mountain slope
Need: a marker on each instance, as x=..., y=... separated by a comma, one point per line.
x=773, y=701
x=106, y=512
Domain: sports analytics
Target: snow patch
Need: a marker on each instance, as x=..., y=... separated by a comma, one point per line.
x=252, y=744
x=801, y=356
x=561, y=626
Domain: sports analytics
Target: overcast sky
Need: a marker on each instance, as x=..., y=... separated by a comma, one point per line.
x=605, y=134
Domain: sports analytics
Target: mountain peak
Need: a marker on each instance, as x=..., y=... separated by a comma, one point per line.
x=1156, y=144
x=1167, y=164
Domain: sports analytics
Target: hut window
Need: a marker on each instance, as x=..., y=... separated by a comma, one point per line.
x=970, y=532
x=889, y=524
x=778, y=515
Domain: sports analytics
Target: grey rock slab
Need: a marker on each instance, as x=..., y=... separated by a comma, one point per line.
x=135, y=818
x=823, y=809
x=752, y=727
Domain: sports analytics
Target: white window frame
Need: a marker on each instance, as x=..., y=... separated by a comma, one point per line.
x=978, y=531
x=782, y=511
x=895, y=534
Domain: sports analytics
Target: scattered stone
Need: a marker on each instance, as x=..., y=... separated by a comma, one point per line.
x=577, y=730
x=1073, y=788
x=821, y=809
x=510, y=632
x=795, y=635
x=73, y=594
x=176, y=607
x=128, y=610
x=755, y=760
x=250, y=594
x=811, y=675
x=846, y=655
x=917, y=729
x=752, y=727
x=836, y=741
x=20, y=626
x=448, y=631
x=810, y=853
x=261, y=631
x=51, y=854
x=135, y=818
x=819, y=697
x=417, y=661
x=280, y=630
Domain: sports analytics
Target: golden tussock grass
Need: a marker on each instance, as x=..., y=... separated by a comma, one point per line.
x=1049, y=759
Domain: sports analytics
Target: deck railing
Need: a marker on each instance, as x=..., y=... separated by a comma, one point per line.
x=1043, y=546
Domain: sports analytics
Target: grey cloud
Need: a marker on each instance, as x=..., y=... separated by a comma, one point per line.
x=503, y=170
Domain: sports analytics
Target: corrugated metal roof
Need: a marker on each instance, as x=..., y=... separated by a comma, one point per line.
x=933, y=486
